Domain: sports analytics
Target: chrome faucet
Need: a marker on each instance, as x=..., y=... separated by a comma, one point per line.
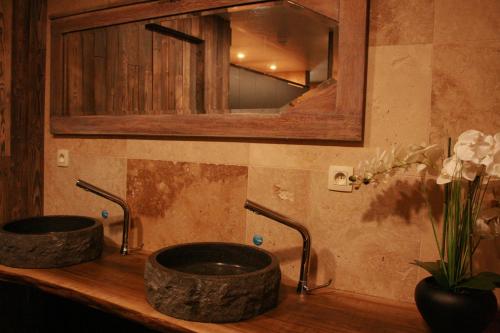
x=126, y=210
x=302, y=287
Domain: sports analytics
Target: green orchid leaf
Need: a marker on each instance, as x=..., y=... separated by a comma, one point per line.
x=482, y=281
x=434, y=268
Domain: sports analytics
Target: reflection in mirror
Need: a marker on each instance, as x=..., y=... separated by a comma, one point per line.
x=245, y=59
x=279, y=51
x=108, y=70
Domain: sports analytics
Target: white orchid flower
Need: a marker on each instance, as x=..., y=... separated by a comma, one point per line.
x=493, y=168
x=386, y=163
x=426, y=157
x=474, y=146
x=492, y=162
x=453, y=167
x=449, y=170
x=470, y=170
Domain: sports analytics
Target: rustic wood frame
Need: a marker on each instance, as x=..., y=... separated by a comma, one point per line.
x=332, y=111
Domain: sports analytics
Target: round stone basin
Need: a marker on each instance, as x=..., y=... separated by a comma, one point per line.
x=212, y=282
x=50, y=241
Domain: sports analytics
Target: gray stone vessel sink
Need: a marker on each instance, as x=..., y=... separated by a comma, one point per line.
x=212, y=282
x=50, y=241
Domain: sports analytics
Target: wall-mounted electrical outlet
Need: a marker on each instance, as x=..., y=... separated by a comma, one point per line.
x=63, y=158
x=338, y=178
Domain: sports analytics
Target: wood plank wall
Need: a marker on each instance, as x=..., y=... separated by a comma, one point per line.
x=5, y=84
x=217, y=35
x=25, y=194
x=4, y=189
x=5, y=79
x=178, y=69
x=108, y=70
x=126, y=69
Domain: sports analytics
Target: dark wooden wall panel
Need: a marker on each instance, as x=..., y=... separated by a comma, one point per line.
x=217, y=35
x=5, y=84
x=175, y=73
x=5, y=79
x=99, y=78
x=109, y=70
x=192, y=78
x=27, y=121
x=73, y=64
x=88, y=62
x=129, y=70
x=4, y=188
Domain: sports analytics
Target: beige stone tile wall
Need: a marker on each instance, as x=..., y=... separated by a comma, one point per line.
x=396, y=22
x=433, y=71
x=180, y=202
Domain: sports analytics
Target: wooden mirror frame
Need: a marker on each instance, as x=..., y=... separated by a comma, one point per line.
x=332, y=111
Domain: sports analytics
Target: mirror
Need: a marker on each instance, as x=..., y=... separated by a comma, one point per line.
x=255, y=58
x=202, y=68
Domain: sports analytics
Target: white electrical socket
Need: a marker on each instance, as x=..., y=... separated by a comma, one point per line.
x=338, y=178
x=63, y=158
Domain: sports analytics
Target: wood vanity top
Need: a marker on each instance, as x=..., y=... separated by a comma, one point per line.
x=115, y=284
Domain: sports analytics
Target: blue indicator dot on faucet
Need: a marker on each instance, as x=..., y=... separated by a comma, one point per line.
x=258, y=240
x=105, y=214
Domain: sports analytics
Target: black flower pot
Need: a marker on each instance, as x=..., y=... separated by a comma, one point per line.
x=445, y=311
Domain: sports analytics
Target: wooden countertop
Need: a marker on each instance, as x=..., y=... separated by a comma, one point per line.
x=115, y=284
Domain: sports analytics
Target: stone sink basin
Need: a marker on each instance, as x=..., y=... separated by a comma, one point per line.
x=212, y=282
x=50, y=241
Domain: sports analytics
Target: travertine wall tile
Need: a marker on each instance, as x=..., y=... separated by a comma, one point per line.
x=286, y=192
x=183, y=202
x=366, y=239
x=302, y=157
x=398, y=95
x=63, y=197
x=465, y=89
x=210, y=151
x=88, y=147
x=466, y=20
x=396, y=22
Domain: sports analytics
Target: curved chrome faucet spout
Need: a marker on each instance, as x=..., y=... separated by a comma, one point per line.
x=111, y=197
x=306, y=248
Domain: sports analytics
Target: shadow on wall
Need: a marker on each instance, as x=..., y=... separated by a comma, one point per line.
x=487, y=256
x=115, y=229
x=328, y=265
x=405, y=200
x=291, y=254
x=294, y=254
